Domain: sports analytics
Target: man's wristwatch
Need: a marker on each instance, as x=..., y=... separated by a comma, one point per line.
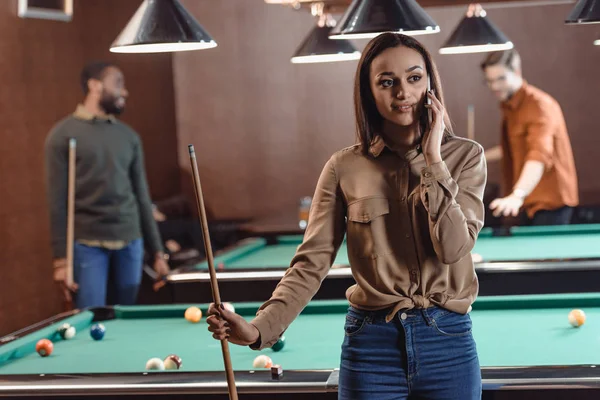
x=163, y=256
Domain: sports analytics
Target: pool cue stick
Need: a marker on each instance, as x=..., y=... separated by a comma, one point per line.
x=471, y=122
x=211, y=269
x=70, y=216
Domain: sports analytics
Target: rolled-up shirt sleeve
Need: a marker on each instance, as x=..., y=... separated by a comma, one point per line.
x=314, y=257
x=455, y=207
x=540, y=135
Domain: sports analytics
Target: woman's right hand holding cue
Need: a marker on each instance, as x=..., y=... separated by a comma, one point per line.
x=225, y=324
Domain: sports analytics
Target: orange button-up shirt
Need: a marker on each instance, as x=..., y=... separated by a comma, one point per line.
x=534, y=128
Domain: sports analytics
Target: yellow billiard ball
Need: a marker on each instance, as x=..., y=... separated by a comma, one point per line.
x=193, y=314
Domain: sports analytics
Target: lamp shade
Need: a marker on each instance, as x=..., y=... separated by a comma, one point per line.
x=162, y=26
x=475, y=34
x=585, y=12
x=365, y=19
x=317, y=47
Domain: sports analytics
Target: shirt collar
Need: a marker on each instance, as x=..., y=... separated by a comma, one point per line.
x=378, y=145
x=83, y=114
x=515, y=101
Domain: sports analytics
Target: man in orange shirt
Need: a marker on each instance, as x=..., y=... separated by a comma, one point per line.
x=538, y=169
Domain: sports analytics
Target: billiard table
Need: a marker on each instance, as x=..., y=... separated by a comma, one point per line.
x=518, y=260
x=526, y=348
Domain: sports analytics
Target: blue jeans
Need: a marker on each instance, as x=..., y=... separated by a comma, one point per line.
x=425, y=354
x=560, y=216
x=92, y=267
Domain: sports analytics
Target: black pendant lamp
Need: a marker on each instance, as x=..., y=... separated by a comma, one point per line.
x=476, y=34
x=585, y=12
x=365, y=19
x=160, y=26
x=318, y=48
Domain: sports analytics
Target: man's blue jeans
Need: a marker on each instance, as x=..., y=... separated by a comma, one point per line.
x=92, y=267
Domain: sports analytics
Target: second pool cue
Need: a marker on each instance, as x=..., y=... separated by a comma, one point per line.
x=471, y=122
x=70, y=214
x=211, y=269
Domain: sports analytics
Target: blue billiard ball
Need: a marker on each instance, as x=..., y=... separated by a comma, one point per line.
x=97, y=331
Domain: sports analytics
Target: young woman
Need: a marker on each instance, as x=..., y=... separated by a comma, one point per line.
x=408, y=197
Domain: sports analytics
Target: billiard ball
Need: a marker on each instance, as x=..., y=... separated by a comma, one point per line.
x=229, y=306
x=63, y=328
x=155, y=364
x=44, y=347
x=172, y=362
x=193, y=314
x=262, y=361
x=67, y=331
x=577, y=318
x=97, y=331
x=279, y=345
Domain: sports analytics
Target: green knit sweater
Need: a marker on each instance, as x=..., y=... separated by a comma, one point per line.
x=112, y=202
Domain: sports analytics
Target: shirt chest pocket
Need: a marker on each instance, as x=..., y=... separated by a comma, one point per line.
x=367, y=228
x=517, y=130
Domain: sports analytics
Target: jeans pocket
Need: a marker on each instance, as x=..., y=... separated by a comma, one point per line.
x=453, y=324
x=355, y=321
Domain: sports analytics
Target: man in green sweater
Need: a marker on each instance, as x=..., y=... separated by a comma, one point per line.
x=113, y=211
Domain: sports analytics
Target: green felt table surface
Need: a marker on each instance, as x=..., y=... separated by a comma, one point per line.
x=523, y=244
x=528, y=330
x=258, y=254
x=540, y=242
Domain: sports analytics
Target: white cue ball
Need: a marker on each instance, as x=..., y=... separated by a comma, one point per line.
x=229, y=306
x=155, y=364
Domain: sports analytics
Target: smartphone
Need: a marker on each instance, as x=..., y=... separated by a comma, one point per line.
x=429, y=115
x=426, y=117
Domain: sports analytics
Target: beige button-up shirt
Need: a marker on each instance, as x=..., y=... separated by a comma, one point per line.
x=410, y=229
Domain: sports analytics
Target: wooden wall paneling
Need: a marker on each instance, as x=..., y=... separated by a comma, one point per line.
x=263, y=127
x=40, y=64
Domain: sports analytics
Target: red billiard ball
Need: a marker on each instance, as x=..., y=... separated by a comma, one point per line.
x=44, y=347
